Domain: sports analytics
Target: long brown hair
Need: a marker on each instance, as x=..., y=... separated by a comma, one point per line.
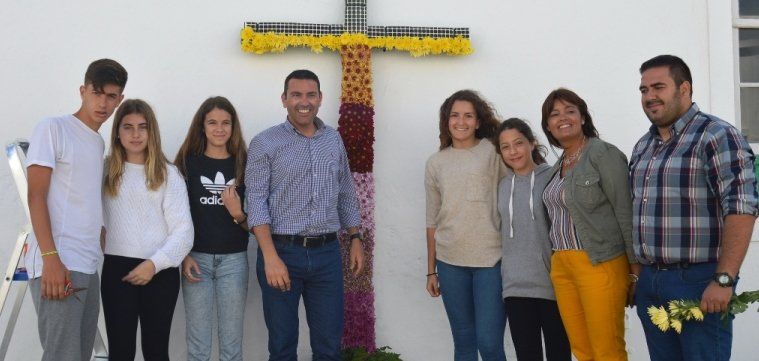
x=195, y=142
x=486, y=116
x=155, y=160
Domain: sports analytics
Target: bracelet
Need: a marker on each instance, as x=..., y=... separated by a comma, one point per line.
x=49, y=253
x=244, y=218
x=432, y=274
x=633, y=278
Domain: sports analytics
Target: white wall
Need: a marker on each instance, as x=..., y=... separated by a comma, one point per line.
x=180, y=52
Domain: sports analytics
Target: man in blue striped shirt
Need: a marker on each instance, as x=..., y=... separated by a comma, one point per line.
x=694, y=207
x=300, y=193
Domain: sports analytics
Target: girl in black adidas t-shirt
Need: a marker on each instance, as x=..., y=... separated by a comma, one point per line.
x=212, y=160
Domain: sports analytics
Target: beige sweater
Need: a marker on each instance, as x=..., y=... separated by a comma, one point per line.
x=462, y=195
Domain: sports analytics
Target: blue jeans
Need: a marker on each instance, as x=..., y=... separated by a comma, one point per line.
x=316, y=274
x=224, y=282
x=472, y=299
x=700, y=341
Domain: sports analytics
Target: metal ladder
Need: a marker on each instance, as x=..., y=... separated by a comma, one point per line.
x=14, y=275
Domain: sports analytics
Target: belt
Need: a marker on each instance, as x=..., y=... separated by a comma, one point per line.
x=660, y=266
x=305, y=241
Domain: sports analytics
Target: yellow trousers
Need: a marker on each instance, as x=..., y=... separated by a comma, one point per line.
x=592, y=304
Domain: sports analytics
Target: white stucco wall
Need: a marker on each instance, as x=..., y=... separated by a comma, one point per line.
x=180, y=52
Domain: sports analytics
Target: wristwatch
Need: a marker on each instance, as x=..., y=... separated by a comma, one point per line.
x=632, y=277
x=723, y=279
x=356, y=235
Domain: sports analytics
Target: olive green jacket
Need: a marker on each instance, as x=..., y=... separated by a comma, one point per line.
x=597, y=193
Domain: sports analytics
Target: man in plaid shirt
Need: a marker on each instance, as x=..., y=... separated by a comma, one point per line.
x=694, y=207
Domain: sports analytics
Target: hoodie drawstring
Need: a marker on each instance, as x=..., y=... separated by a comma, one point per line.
x=511, y=202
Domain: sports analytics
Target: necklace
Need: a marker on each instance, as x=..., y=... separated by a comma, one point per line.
x=572, y=158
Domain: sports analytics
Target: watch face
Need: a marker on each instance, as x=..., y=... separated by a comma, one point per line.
x=723, y=279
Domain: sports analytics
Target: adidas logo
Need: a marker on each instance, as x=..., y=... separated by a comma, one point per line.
x=215, y=187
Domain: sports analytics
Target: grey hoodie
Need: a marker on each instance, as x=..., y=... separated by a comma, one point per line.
x=526, y=261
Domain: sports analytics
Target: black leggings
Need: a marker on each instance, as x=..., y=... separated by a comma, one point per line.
x=124, y=304
x=526, y=318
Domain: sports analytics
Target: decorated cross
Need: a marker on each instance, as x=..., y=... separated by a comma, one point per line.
x=355, y=40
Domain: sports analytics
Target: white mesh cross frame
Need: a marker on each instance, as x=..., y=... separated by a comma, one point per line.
x=416, y=31
x=371, y=31
x=355, y=16
x=355, y=22
x=297, y=28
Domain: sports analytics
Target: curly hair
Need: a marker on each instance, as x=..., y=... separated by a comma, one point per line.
x=487, y=117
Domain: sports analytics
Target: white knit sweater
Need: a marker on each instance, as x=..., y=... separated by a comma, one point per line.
x=146, y=224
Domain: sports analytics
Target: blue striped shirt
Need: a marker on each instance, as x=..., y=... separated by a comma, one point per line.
x=300, y=185
x=685, y=186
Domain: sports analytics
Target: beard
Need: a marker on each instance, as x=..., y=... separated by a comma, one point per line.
x=668, y=115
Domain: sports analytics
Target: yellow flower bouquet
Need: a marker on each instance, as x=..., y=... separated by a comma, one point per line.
x=679, y=311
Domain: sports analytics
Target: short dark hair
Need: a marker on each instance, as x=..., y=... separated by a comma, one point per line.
x=538, y=154
x=302, y=74
x=678, y=70
x=570, y=97
x=104, y=72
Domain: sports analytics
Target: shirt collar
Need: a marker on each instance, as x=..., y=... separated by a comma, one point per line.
x=677, y=127
x=291, y=128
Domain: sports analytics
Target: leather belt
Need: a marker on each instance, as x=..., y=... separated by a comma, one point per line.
x=305, y=241
x=659, y=266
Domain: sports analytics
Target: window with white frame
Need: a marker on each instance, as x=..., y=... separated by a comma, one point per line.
x=746, y=23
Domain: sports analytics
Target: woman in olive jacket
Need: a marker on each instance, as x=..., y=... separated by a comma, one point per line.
x=588, y=202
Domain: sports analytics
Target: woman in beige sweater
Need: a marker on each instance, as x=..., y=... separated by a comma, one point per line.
x=463, y=238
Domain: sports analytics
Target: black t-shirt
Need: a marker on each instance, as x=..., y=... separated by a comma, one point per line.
x=215, y=230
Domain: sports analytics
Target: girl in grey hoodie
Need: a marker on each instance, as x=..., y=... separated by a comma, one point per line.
x=527, y=290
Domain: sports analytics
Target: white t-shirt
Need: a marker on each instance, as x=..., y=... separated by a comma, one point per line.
x=75, y=153
x=145, y=224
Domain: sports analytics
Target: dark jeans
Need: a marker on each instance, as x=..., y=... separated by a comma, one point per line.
x=527, y=318
x=472, y=299
x=700, y=341
x=316, y=274
x=124, y=304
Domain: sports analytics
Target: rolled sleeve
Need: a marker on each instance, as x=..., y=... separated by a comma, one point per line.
x=730, y=172
x=347, y=203
x=257, y=178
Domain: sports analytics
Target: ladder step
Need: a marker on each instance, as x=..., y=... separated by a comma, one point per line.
x=20, y=275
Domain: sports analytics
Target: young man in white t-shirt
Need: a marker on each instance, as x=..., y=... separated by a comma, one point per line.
x=65, y=172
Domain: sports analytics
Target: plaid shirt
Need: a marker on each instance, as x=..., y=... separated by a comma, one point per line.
x=685, y=186
x=300, y=185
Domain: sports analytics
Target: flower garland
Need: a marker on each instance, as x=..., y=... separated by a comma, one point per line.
x=680, y=311
x=260, y=43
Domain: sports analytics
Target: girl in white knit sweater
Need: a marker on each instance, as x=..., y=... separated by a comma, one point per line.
x=148, y=233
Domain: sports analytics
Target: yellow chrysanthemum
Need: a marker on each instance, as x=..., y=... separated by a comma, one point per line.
x=676, y=324
x=696, y=313
x=259, y=43
x=659, y=317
